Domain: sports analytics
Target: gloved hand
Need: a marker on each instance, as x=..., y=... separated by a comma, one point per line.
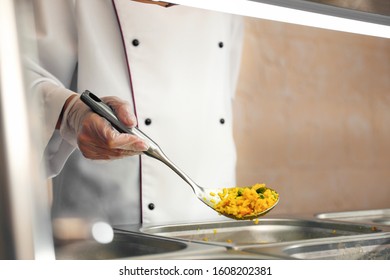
x=94, y=136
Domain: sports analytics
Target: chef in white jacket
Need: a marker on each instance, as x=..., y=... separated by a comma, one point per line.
x=175, y=67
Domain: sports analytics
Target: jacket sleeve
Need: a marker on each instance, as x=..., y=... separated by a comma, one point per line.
x=50, y=65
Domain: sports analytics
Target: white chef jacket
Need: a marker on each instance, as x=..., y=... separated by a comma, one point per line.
x=177, y=67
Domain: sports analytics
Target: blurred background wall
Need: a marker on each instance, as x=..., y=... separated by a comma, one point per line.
x=312, y=117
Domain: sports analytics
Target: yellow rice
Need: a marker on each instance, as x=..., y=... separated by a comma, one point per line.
x=241, y=202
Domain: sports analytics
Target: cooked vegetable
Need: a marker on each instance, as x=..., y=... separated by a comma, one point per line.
x=242, y=202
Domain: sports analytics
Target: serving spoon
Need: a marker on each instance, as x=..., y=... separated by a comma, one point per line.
x=208, y=196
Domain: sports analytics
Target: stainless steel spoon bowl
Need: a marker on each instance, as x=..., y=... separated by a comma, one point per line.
x=154, y=151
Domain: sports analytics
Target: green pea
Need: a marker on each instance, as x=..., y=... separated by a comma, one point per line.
x=261, y=190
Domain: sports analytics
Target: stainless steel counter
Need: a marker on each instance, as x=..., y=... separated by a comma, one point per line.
x=272, y=238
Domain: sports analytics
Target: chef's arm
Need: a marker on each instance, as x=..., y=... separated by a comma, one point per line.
x=60, y=118
x=50, y=64
x=67, y=122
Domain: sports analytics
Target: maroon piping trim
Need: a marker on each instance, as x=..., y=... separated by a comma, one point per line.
x=133, y=97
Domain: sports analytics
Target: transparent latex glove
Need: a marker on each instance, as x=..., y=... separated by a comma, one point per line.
x=94, y=136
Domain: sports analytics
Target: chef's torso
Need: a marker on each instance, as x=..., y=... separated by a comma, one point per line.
x=174, y=66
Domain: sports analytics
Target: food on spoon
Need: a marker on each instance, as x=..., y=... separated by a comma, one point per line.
x=243, y=202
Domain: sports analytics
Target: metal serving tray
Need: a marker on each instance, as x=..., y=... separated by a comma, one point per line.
x=127, y=245
x=267, y=231
x=271, y=238
x=372, y=247
x=375, y=217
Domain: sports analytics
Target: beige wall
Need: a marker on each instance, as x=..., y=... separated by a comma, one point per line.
x=312, y=117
